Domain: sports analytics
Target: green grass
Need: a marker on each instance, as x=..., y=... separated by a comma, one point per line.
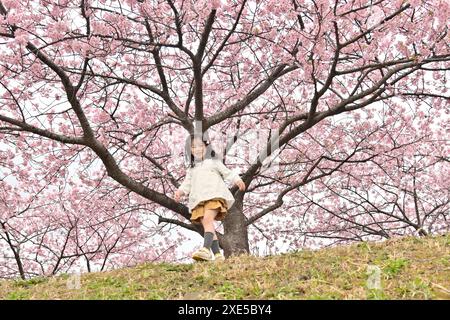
x=406, y=268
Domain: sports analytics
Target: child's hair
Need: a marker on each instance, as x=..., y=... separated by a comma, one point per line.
x=189, y=157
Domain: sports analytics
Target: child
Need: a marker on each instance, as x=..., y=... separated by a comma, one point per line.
x=209, y=197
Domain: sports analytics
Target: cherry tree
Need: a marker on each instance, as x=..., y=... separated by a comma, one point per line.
x=397, y=186
x=81, y=230
x=116, y=86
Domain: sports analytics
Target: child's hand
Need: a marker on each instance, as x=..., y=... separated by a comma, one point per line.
x=241, y=185
x=178, y=195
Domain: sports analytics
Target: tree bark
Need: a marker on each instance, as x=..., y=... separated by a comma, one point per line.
x=235, y=238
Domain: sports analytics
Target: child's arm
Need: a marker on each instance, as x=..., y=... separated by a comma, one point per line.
x=185, y=186
x=230, y=175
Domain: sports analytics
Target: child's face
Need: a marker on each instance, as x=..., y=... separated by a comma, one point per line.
x=198, y=148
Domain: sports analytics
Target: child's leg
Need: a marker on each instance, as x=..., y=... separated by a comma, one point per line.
x=208, y=226
x=215, y=244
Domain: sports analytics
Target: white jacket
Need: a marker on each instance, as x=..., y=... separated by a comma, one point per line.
x=206, y=181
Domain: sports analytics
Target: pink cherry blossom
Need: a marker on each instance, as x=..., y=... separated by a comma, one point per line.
x=96, y=103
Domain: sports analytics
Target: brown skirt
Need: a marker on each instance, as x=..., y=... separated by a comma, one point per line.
x=214, y=203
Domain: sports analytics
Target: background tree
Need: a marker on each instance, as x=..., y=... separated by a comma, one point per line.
x=107, y=85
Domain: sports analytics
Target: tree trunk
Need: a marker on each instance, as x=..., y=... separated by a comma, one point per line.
x=235, y=238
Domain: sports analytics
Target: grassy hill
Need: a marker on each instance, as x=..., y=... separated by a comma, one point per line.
x=409, y=268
